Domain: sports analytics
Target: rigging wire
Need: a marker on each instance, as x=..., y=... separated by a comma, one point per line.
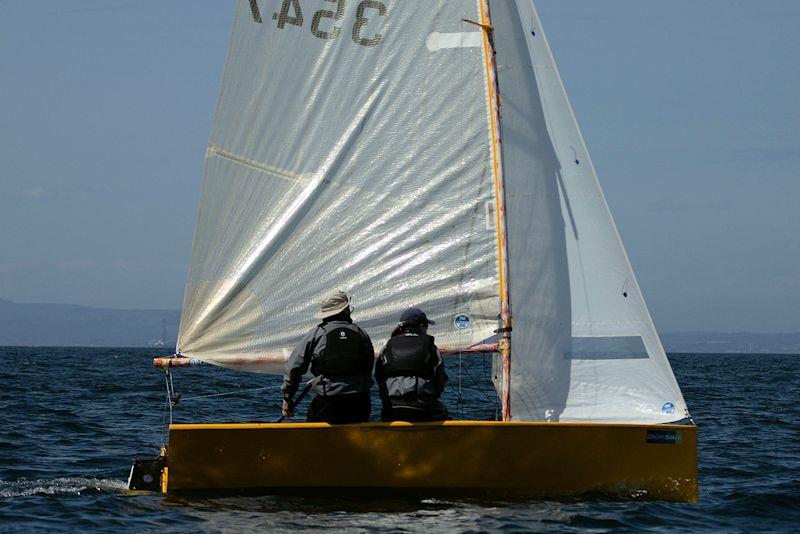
x=164, y=412
x=496, y=396
x=497, y=393
x=171, y=399
x=460, y=401
x=475, y=381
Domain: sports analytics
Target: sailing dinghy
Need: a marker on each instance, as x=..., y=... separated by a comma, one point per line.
x=421, y=152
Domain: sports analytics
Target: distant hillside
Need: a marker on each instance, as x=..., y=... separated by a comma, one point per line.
x=82, y=326
x=700, y=342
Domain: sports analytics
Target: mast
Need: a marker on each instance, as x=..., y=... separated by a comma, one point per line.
x=504, y=342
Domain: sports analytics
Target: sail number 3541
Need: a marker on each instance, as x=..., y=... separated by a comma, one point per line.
x=324, y=22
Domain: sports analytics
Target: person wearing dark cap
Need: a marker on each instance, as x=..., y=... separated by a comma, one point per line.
x=341, y=357
x=410, y=372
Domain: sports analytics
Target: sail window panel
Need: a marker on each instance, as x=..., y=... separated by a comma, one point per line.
x=606, y=348
x=365, y=168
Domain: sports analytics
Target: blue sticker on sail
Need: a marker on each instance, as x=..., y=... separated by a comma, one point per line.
x=462, y=321
x=668, y=408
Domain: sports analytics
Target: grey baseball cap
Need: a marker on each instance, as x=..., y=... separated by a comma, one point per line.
x=332, y=303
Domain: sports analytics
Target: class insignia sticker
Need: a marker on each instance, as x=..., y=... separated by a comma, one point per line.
x=665, y=437
x=668, y=408
x=462, y=321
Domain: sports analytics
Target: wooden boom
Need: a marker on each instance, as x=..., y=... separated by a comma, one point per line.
x=278, y=358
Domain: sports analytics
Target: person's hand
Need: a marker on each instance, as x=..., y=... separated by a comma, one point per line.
x=287, y=410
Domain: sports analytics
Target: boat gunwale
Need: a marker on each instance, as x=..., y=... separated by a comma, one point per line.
x=405, y=424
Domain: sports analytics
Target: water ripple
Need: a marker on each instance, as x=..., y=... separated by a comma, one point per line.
x=60, y=486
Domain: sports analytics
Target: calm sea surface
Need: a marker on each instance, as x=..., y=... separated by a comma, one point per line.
x=72, y=419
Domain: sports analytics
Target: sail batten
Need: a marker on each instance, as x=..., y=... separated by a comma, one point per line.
x=214, y=151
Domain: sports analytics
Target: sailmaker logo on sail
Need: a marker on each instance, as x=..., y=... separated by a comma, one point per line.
x=462, y=321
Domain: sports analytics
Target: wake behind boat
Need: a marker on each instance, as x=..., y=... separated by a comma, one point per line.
x=421, y=153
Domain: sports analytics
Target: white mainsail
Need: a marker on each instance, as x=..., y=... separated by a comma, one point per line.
x=584, y=347
x=351, y=149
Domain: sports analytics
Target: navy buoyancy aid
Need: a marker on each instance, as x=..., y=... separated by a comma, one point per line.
x=342, y=354
x=409, y=355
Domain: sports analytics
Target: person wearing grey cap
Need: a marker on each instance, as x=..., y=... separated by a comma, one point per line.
x=341, y=357
x=410, y=372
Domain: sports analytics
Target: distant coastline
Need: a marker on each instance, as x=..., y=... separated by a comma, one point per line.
x=68, y=325
x=722, y=342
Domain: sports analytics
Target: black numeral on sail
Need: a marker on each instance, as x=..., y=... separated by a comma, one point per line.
x=362, y=21
x=255, y=10
x=363, y=18
x=325, y=14
x=283, y=17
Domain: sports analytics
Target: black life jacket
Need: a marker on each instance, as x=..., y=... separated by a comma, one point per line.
x=410, y=354
x=342, y=353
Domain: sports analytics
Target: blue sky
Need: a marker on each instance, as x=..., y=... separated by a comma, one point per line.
x=690, y=110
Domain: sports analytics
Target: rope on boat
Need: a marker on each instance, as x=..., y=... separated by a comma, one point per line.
x=164, y=413
x=171, y=399
x=475, y=382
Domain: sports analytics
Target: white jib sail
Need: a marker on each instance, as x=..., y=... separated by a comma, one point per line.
x=351, y=149
x=584, y=347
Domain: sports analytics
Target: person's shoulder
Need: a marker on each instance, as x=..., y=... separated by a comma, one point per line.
x=315, y=331
x=360, y=330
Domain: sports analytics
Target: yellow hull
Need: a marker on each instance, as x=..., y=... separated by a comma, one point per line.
x=482, y=458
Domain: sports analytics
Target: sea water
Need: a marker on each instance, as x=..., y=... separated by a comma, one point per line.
x=71, y=420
